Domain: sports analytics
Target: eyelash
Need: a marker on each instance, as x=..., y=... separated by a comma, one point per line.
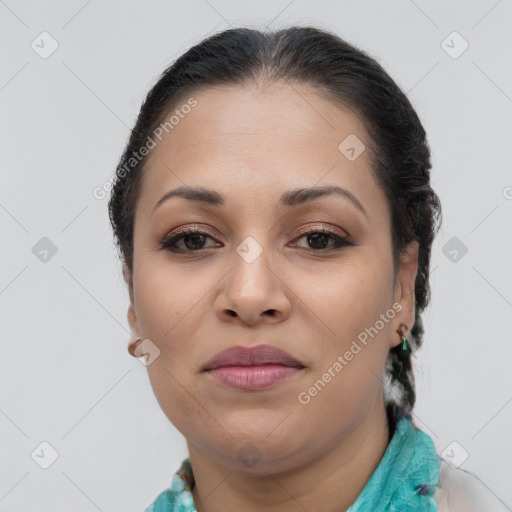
x=169, y=241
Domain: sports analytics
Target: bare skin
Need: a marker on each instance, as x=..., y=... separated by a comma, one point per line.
x=311, y=300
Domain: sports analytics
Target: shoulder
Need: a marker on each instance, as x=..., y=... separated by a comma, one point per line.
x=461, y=491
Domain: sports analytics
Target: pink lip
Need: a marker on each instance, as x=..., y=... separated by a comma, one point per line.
x=253, y=378
x=252, y=368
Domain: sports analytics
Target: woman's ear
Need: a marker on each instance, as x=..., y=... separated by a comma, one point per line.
x=404, y=291
x=132, y=317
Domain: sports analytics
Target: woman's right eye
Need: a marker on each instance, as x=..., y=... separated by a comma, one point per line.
x=192, y=238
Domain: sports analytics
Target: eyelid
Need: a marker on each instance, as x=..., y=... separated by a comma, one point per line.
x=192, y=227
x=323, y=226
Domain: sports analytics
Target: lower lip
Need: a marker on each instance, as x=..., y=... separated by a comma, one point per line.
x=253, y=378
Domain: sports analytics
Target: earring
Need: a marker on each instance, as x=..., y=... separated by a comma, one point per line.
x=134, y=347
x=406, y=347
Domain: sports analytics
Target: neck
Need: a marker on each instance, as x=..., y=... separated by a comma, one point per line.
x=333, y=478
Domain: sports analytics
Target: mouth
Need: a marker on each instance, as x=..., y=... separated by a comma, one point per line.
x=252, y=368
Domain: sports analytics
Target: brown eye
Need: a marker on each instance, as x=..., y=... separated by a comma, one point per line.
x=318, y=239
x=193, y=240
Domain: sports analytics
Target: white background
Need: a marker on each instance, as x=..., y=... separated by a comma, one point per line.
x=66, y=376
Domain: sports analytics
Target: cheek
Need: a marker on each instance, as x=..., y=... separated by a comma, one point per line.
x=347, y=307
x=168, y=310
x=346, y=299
x=166, y=300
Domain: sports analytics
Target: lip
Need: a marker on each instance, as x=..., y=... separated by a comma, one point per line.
x=252, y=368
x=259, y=355
x=253, y=378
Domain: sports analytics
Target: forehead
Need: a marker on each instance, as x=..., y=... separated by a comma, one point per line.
x=260, y=141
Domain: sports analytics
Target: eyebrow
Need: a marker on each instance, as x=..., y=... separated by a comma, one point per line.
x=289, y=199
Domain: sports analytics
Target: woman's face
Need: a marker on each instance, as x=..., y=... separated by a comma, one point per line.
x=255, y=278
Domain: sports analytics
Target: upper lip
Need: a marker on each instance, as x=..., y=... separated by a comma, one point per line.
x=251, y=356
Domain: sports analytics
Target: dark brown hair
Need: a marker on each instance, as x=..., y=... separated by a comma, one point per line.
x=347, y=76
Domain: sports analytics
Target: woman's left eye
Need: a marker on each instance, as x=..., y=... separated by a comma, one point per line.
x=193, y=240
x=320, y=236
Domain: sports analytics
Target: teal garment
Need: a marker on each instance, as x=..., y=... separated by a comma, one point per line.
x=407, y=476
x=405, y=479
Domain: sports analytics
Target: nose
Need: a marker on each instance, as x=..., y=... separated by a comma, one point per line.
x=253, y=292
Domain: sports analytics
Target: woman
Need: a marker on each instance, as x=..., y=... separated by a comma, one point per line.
x=275, y=220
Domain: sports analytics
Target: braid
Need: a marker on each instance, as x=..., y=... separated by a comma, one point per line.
x=401, y=373
x=400, y=368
